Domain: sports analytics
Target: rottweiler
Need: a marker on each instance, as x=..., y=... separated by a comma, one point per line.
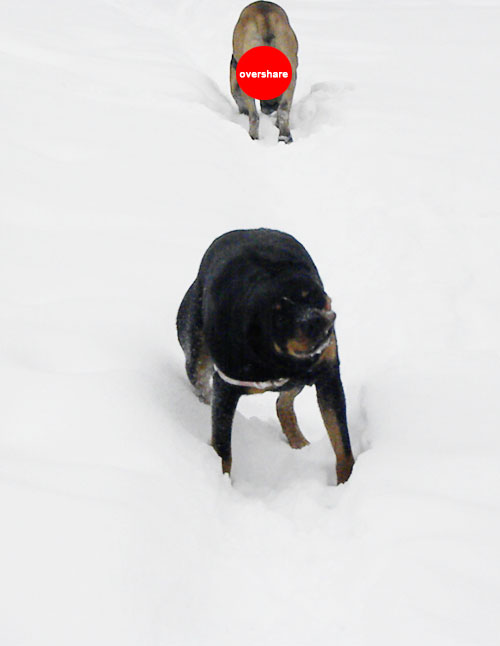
x=256, y=319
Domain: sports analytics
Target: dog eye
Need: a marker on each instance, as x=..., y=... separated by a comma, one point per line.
x=282, y=303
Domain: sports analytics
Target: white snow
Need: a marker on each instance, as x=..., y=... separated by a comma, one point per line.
x=122, y=157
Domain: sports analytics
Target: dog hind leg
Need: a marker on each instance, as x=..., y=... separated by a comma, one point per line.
x=283, y=115
x=199, y=365
x=199, y=368
x=246, y=105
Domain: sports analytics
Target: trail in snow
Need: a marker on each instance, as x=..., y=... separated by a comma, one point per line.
x=122, y=157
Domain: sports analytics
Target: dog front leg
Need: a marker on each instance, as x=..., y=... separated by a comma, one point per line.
x=288, y=419
x=331, y=400
x=224, y=401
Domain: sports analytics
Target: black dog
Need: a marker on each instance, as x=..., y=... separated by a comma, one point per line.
x=255, y=319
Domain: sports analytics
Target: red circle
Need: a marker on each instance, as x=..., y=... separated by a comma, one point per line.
x=264, y=72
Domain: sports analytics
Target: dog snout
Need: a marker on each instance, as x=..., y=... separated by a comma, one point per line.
x=316, y=323
x=329, y=316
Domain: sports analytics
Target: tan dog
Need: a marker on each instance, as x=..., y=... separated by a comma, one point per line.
x=264, y=23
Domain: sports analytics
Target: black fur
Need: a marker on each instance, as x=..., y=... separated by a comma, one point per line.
x=256, y=290
x=271, y=105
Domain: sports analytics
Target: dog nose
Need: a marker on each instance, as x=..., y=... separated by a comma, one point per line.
x=329, y=315
x=316, y=323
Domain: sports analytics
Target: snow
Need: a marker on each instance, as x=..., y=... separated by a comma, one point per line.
x=122, y=158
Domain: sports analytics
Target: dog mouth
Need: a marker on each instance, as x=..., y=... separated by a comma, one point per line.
x=298, y=351
x=319, y=346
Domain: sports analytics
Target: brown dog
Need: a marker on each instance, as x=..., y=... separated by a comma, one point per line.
x=264, y=23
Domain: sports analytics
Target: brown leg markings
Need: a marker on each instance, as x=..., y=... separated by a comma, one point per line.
x=226, y=465
x=345, y=461
x=288, y=419
x=199, y=367
x=204, y=370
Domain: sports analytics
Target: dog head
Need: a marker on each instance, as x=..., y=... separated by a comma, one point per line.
x=302, y=326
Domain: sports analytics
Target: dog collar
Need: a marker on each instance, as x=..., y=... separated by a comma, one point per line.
x=260, y=385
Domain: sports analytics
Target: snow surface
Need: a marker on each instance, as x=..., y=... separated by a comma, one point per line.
x=122, y=157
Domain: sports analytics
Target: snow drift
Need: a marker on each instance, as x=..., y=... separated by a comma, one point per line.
x=122, y=158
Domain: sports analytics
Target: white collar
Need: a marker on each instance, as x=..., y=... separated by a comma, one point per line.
x=272, y=383
x=260, y=385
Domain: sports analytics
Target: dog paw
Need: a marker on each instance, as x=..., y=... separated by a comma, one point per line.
x=205, y=397
x=298, y=442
